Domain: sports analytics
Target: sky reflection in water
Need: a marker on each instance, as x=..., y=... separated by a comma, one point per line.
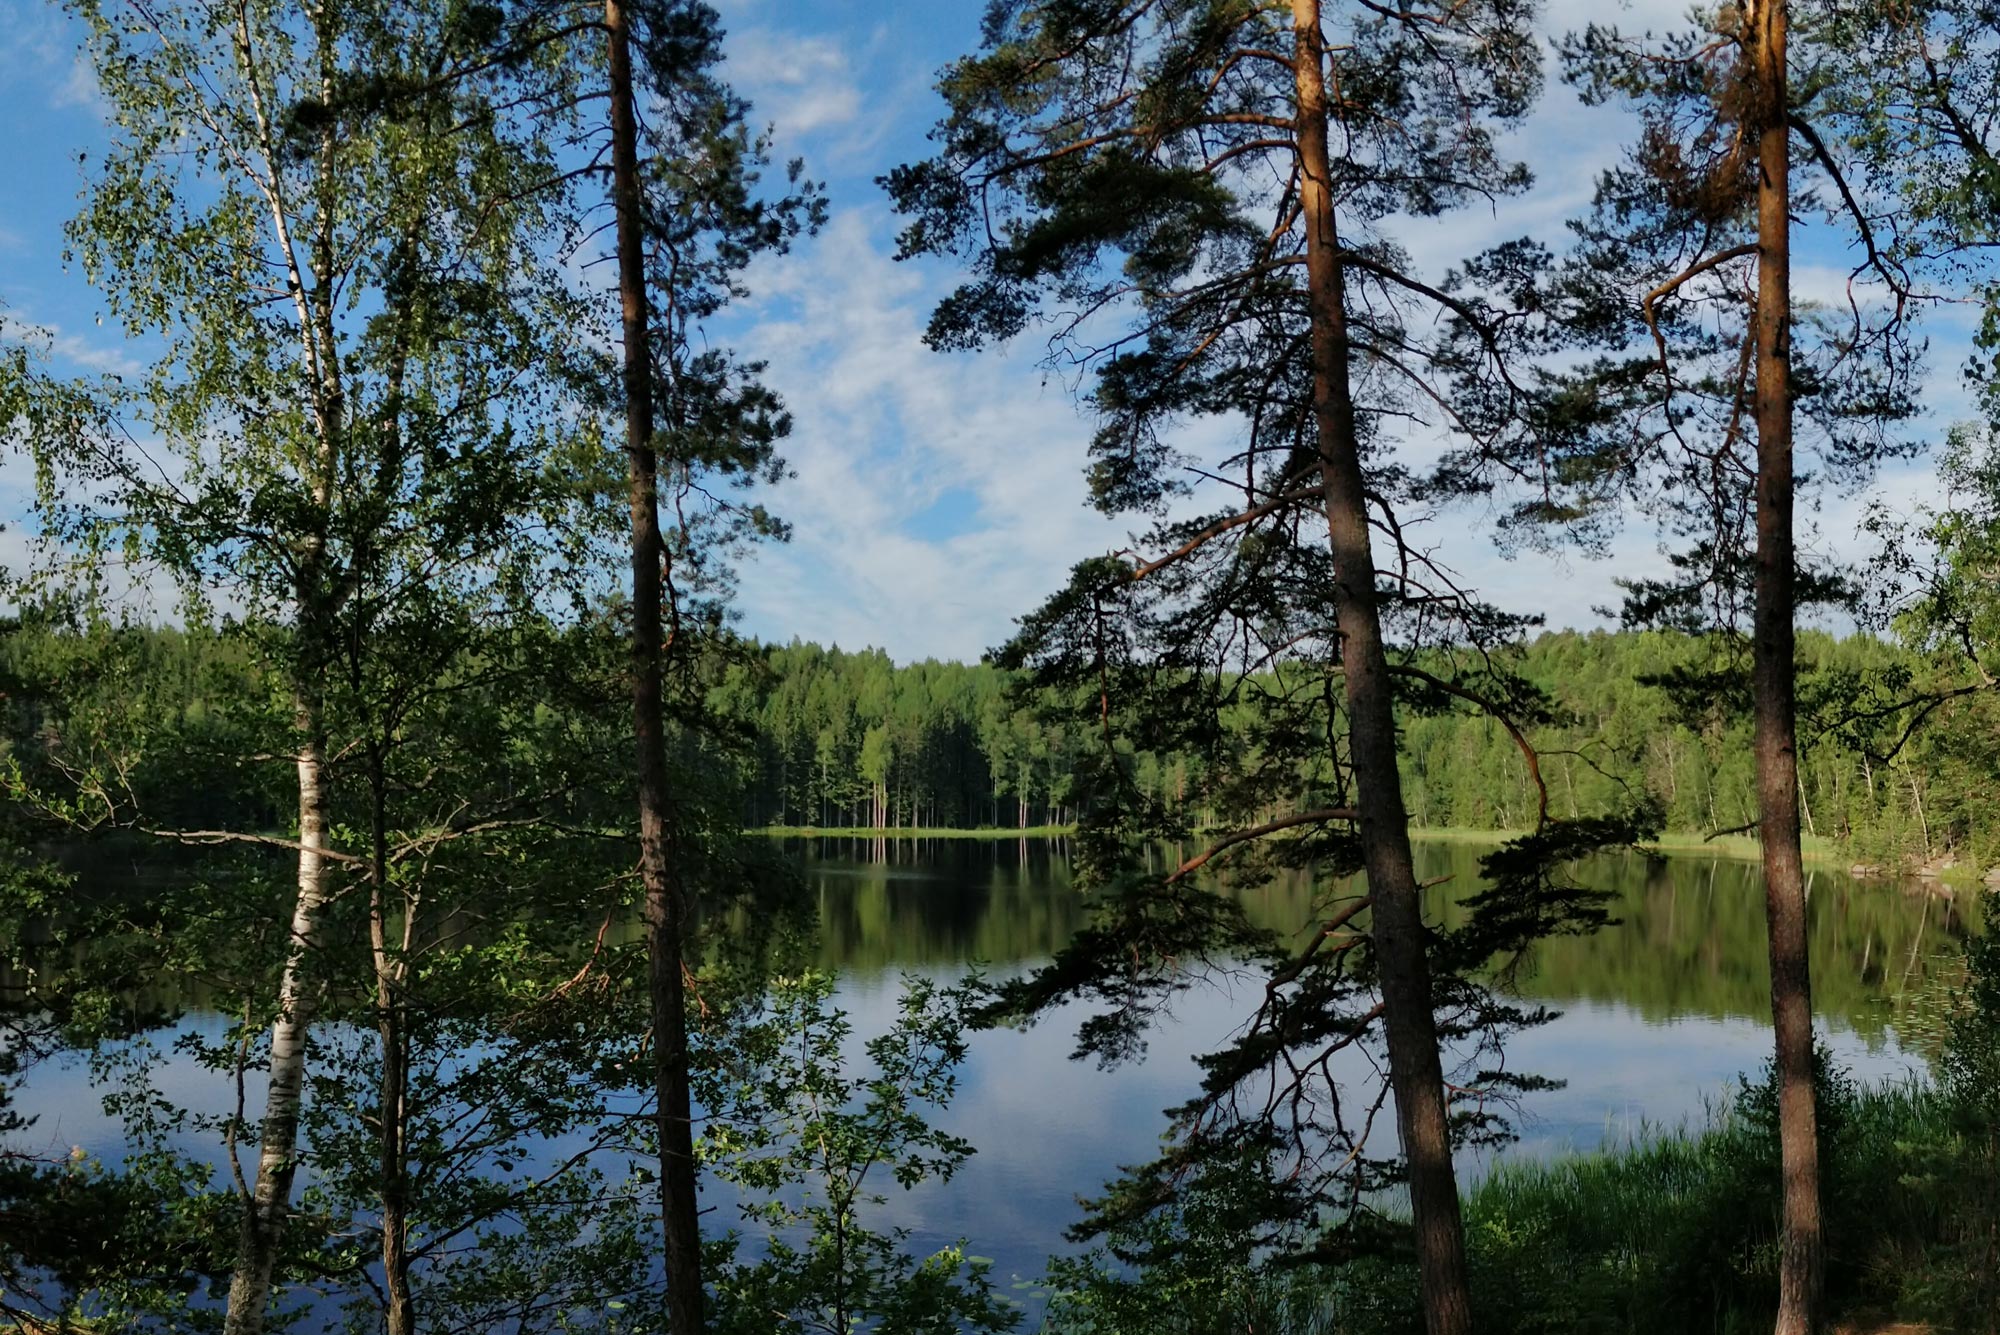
x=1662, y=1013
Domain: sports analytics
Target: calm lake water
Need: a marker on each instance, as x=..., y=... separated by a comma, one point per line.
x=1662, y=1013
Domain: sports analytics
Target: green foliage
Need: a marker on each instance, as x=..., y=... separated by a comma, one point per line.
x=1954, y=1271
x=374, y=438
x=1675, y=1232
x=964, y=753
x=87, y=1244
x=1195, y=1268
x=1659, y=418
x=1915, y=89
x=380, y=408
x=808, y=1141
x=1893, y=764
x=851, y=740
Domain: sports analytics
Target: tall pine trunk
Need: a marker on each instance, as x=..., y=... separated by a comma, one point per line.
x=1773, y=670
x=269, y=1204
x=666, y=901
x=1416, y=1073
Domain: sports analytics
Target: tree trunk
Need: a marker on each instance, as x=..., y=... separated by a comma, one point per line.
x=666, y=900
x=270, y=1200
x=400, y=1316
x=399, y=1313
x=1416, y=1072
x=1917, y=805
x=1773, y=669
x=269, y=1203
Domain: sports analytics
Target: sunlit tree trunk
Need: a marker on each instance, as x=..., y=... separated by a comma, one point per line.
x=1415, y=1069
x=666, y=900
x=265, y=1212
x=1773, y=669
x=269, y=1204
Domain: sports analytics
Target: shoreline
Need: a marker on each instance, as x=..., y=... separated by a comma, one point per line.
x=908, y=832
x=1817, y=849
x=1731, y=846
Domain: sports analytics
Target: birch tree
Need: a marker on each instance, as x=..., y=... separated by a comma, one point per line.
x=318, y=440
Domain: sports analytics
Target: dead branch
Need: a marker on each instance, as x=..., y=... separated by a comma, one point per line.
x=1228, y=841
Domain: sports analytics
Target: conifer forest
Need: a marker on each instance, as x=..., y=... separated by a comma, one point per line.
x=1099, y=667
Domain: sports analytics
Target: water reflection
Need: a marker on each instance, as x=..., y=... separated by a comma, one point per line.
x=1662, y=1011
x=1687, y=937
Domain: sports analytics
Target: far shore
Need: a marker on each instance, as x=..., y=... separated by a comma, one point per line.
x=1817, y=849
x=910, y=832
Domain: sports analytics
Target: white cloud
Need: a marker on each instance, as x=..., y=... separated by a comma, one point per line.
x=800, y=84
x=52, y=341
x=39, y=48
x=80, y=89
x=1631, y=16
x=887, y=427
x=887, y=430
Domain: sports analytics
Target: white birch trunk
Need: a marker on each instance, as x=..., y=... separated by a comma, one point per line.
x=270, y=1200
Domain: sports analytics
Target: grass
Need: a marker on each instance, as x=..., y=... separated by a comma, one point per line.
x=1675, y=1233
x=1679, y=1231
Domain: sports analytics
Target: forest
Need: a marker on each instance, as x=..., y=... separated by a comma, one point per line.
x=835, y=740
x=853, y=740
x=1425, y=759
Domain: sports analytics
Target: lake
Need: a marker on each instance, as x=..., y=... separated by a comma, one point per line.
x=1662, y=1012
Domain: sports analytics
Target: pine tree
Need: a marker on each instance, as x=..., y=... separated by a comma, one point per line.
x=1721, y=383
x=1200, y=201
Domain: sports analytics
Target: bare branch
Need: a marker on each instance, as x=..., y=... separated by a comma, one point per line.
x=1220, y=527
x=1316, y=817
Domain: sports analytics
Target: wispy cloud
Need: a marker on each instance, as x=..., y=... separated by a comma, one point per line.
x=939, y=497
x=53, y=341
x=80, y=88
x=39, y=50
x=803, y=85
x=889, y=430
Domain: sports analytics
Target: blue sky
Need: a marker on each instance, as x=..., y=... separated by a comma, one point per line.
x=938, y=497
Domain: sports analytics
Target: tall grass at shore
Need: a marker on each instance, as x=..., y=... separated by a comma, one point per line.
x=1673, y=1233
x=1678, y=1232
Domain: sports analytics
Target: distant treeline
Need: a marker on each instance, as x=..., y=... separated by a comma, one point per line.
x=850, y=739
